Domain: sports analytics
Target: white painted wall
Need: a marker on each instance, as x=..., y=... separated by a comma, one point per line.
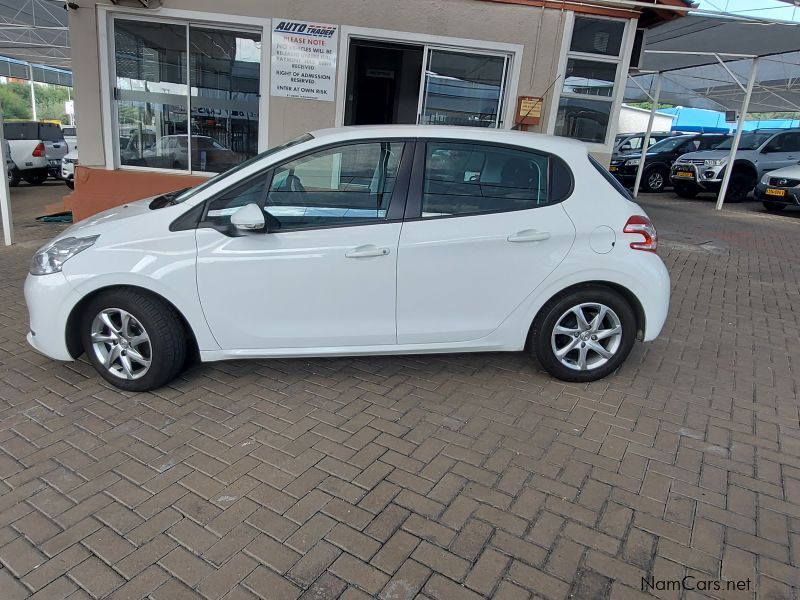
x=634, y=120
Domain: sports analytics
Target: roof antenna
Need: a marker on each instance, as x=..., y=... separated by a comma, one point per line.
x=527, y=114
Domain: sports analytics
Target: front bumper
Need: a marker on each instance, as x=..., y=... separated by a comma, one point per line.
x=50, y=299
x=688, y=174
x=790, y=197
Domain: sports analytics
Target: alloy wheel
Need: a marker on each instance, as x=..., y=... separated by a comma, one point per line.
x=586, y=336
x=121, y=343
x=655, y=180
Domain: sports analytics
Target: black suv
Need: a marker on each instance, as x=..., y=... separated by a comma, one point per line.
x=659, y=159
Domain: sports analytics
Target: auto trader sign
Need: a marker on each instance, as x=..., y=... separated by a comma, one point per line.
x=304, y=60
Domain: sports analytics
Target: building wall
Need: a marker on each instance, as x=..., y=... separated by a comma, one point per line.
x=506, y=23
x=536, y=29
x=634, y=120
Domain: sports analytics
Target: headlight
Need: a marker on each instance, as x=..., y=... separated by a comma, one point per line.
x=765, y=179
x=52, y=257
x=715, y=162
x=632, y=162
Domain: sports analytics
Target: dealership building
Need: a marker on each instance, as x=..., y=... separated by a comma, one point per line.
x=170, y=92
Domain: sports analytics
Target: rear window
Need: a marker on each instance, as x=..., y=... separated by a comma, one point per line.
x=68, y=131
x=30, y=130
x=50, y=133
x=21, y=131
x=611, y=179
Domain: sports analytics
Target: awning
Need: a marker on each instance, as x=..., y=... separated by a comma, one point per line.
x=35, y=31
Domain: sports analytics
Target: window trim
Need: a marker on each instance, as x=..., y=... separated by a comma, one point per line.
x=513, y=52
x=413, y=206
x=394, y=212
x=108, y=107
x=623, y=61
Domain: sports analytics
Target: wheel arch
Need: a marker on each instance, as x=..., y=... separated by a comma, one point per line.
x=630, y=297
x=745, y=166
x=73, y=334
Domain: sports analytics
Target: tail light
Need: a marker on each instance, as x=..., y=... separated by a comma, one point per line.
x=641, y=225
x=38, y=151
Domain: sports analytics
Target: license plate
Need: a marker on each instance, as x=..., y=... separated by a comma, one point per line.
x=684, y=174
x=612, y=168
x=774, y=192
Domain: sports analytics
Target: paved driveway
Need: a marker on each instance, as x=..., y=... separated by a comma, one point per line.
x=453, y=477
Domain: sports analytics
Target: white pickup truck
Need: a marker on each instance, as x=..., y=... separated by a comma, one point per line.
x=36, y=148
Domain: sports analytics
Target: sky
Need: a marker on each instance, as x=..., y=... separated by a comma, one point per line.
x=770, y=9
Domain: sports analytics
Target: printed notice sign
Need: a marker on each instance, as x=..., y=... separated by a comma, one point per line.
x=304, y=60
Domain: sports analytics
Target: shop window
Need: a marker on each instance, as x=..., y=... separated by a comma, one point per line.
x=463, y=89
x=189, y=111
x=590, y=79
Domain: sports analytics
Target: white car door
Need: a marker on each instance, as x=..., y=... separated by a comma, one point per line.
x=489, y=231
x=782, y=151
x=325, y=274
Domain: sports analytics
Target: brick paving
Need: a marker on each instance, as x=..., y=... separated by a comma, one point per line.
x=439, y=477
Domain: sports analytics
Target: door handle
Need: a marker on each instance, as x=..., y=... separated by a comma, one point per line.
x=529, y=235
x=366, y=251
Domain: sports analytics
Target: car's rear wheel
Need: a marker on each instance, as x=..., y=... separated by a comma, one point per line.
x=654, y=179
x=739, y=186
x=775, y=207
x=134, y=340
x=13, y=177
x=70, y=183
x=686, y=191
x=584, y=334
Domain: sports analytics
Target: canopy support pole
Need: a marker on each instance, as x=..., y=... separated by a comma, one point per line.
x=5, y=204
x=646, y=142
x=739, y=124
x=33, y=91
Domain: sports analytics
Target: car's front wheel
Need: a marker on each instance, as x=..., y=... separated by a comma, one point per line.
x=134, y=340
x=655, y=179
x=584, y=334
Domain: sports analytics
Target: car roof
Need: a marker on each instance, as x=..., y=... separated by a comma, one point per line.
x=478, y=134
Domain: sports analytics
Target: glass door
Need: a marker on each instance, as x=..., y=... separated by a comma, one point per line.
x=462, y=88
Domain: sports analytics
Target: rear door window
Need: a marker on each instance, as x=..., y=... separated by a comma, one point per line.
x=466, y=178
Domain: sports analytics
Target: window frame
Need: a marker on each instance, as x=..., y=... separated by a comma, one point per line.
x=108, y=14
x=615, y=100
x=394, y=211
x=416, y=189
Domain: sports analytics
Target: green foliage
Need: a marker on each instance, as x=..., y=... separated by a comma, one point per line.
x=15, y=101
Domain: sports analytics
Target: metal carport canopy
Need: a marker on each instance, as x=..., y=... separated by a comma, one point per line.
x=719, y=63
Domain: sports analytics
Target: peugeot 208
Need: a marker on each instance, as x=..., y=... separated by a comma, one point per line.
x=361, y=241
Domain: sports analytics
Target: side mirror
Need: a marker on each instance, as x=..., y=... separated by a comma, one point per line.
x=249, y=218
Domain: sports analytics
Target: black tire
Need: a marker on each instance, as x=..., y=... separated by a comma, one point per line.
x=774, y=207
x=556, y=310
x=741, y=184
x=14, y=178
x=161, y=323
x=70, y=183
x=36, y=179
x=686, y=191
x=655, y=179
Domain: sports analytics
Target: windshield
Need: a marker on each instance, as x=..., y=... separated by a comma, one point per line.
x=668, y=144
x=188, y=193
x=748, y=141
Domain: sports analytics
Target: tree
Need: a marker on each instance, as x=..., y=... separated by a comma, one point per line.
x=15, y=101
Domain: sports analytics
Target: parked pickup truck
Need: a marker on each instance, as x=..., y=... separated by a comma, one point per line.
x=36, y=148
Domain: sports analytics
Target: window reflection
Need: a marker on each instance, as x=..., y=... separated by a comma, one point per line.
x=581, y=119
x=463, y=89
x=210, y=124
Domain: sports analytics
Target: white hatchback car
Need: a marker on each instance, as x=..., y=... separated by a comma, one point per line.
x=361, y=241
